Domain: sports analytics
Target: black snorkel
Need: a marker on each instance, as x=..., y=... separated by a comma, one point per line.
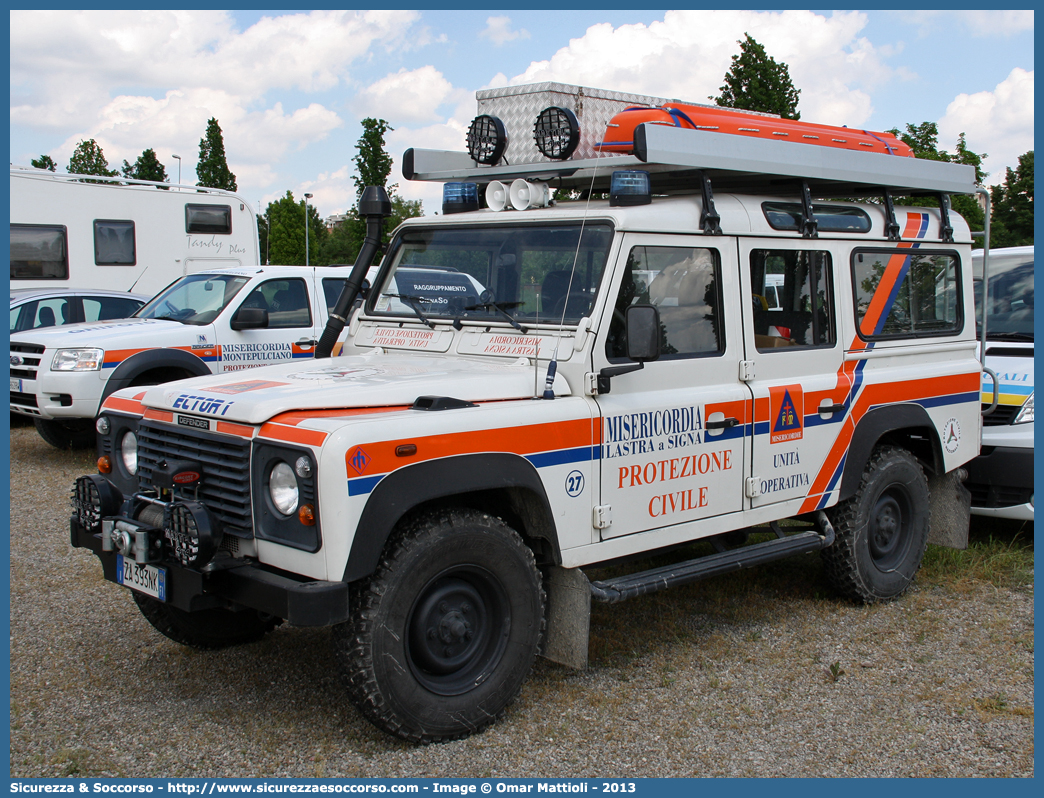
x=374, y=207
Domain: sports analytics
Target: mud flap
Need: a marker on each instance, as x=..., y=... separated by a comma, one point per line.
x=568, y=617
x=950, y=509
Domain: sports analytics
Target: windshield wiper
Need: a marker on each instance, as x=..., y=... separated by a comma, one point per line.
x=486, y=301
x=411, y=301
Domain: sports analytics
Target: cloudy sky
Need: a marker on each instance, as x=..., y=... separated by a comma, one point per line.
x=289, y=88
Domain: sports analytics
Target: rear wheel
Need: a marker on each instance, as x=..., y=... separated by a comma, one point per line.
x=882, y=531
x=72, y=433
x=214, y=628
x=446, y=630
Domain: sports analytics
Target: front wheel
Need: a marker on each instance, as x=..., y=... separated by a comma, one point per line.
x=69, y=433
x=881, y=531
x=446, y=629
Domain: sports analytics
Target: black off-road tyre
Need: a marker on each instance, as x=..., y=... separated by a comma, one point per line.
x=206, y=629
x=881, y=531
x=446, y=629
x=73, y=433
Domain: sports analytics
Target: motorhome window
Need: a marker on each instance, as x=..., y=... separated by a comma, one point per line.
x=684, y=283
x=208, y=219
x=899, y=294
x=114, y=243
x=194, y=299
x=534, y=274
x=829, y=218
x=39, y=252
x=286, y=302
x=793, y=300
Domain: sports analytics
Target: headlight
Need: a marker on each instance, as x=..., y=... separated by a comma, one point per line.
x=78, y=360
x=102, y=425
x=129, y=452
x=282, y=487
x=1025, y=415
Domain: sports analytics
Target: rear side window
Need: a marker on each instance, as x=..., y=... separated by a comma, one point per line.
x=332, y=287
x=39, y=252
x=114, y=243
x=208, y=219
x=109, y=307
x=904, y=293
x=793, y=298
x=829, y=218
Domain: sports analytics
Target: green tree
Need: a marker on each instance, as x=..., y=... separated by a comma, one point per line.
x=44, y=162
x=1011, y=224
x=285, y=240
x=756, y=82
x=373, y=166
x=147, y=167
x=924, y=141
x=88, y=159
x=212, y=170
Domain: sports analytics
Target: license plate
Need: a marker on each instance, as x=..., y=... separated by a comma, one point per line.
x=147, y=579
x=16, y=385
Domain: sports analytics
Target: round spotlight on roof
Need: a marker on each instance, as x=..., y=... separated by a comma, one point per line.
x=557, y=133
x=487, y=139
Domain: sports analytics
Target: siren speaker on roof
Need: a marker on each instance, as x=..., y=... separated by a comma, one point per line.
x=497, y=195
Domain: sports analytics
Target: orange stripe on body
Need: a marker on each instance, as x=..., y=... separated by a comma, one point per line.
x=127, y=405
x=241, y=430
x=295, y=417
x=159, y=415
x=282, y=432
x=515, y=440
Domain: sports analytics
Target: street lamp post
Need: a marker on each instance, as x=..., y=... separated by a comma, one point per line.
x=178, y=157
x=307, y=197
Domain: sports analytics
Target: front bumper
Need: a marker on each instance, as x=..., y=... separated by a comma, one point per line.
x=1001, y=482
x=299, y=602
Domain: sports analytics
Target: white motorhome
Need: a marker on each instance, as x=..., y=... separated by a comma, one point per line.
x=122, y=234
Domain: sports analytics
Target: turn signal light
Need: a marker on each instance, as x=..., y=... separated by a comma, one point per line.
x=306, y=515
x=104, y=464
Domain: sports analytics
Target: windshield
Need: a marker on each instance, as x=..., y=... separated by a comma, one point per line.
x=1010, y=309
x=486, y=274
x=194, y=299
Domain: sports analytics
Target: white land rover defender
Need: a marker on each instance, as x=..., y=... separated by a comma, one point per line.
x=208, y=322
x=529, y=393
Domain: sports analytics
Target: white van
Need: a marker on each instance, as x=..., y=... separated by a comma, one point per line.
x=122, y=234
x=1001, y=478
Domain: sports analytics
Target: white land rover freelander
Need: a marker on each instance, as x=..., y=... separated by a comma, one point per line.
x=537, y=387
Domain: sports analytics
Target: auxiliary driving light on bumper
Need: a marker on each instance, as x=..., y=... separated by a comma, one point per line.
x=94, y=497
x=192, y=535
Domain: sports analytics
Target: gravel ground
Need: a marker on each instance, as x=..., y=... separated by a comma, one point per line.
x=766, y=676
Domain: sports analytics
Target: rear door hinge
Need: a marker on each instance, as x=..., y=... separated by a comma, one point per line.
x=603, y=516
x=750, y=487
x=746, y=370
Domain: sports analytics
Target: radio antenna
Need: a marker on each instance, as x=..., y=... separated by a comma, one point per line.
x=552, y=366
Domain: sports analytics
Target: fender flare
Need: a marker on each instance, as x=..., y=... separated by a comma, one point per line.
x=872, y=427
x=124, y=374
x=409, y=487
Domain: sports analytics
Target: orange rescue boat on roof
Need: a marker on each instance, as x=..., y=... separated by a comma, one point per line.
x=619, y=136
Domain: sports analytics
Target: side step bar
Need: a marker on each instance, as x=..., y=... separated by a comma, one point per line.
x=612, y=591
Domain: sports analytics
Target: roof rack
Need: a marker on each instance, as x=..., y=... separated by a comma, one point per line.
x=677, y=159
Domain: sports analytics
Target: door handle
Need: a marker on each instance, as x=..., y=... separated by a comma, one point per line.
x=306, y=342
x=831, y=408
x=725, y=423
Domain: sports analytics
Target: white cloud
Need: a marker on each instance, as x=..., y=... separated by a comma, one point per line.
x=978, y=23
x=498, y=30
x=406, y=97
x=1002, y=117
x=686, y=54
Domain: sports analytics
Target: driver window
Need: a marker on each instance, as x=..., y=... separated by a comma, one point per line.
x=285, y=300
x=684, y=283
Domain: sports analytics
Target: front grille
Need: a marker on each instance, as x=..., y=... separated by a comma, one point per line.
x=1003, y=415
x=225, y=486
x=23, y=399
x=30, y=356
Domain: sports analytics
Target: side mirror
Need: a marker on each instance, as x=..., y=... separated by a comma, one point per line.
x=249, y=319
x=643, y=333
